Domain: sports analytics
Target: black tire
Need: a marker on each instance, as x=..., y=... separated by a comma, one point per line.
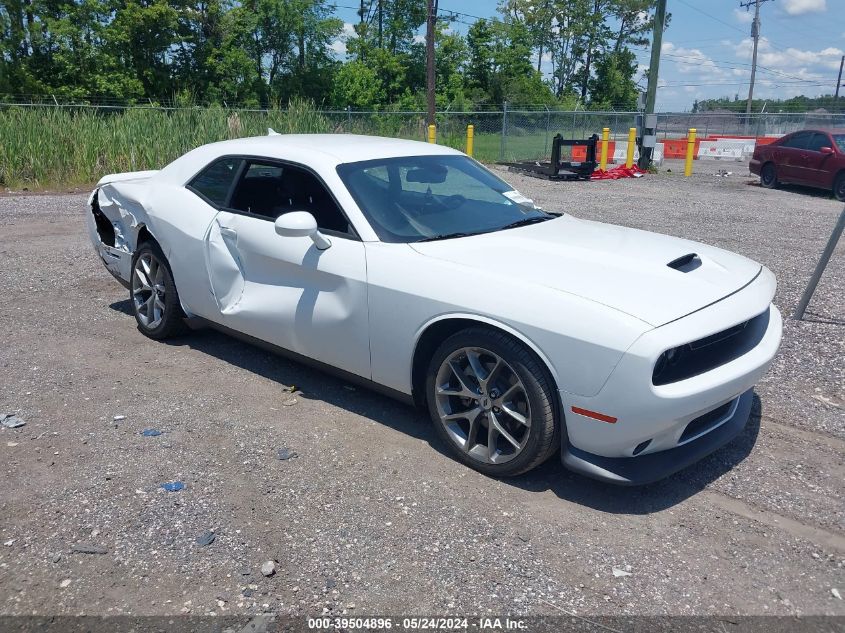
x=769, y=176
x=543, y=433
x=172, y=320
x=839, y=187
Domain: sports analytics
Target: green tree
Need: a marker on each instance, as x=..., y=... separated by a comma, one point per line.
x=480, y=66
x=141, y=36
x=356, y=84
x=613, y=87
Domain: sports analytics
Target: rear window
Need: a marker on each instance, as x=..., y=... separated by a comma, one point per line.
x=215, y=181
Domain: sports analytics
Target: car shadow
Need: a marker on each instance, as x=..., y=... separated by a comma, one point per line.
x=310, y=383
x=124, y=307
x=814, y=192
x=314, y=384
x=812, y=317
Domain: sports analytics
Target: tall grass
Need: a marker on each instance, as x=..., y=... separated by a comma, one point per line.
x=42, y=147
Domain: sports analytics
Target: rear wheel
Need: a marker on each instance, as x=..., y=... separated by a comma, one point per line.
x=769, y=176
x=155, y=302
x=492, y=402
x=839, y=187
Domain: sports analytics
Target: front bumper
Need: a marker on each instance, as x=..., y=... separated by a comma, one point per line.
x=661, y=428
x=645, y=469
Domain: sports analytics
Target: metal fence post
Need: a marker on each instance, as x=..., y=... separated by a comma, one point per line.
x=504, y=130
x=817, y=273
x=548, y=116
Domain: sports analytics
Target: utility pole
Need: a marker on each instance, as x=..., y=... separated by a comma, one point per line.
x=361, y=32
x=755, y=34
x=648, y=137
x=839, y=81
x=431, y=21
x=380, y=24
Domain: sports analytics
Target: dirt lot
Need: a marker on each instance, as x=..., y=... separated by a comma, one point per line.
x=372, y=516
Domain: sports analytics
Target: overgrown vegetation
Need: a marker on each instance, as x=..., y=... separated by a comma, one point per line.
x=48, y=147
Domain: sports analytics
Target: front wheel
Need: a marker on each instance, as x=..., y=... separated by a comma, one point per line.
x=769, y=176
x=492, y=402
x=839, y=187
x=155, y=302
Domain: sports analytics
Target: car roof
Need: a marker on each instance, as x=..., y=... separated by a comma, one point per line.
x=823, y=130
x=342, y=148
x=318, y=151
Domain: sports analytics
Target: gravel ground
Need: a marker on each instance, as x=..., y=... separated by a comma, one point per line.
x=372, y=516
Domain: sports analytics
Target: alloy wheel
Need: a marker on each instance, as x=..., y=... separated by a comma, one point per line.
x=148, y=290
x=483, y=405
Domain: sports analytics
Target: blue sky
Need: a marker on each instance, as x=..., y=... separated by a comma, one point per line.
x=707, y=47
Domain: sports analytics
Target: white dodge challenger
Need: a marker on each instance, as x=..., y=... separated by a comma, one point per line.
x=412, y=268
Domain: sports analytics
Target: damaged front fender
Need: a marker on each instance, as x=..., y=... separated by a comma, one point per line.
x=117, y=216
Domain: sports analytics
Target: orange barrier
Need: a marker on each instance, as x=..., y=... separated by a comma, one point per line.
x=672, y=147
x=677, y=147
x=579, y=152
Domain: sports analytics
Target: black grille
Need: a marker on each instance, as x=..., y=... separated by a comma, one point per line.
x=702, y=355
x=704, y=423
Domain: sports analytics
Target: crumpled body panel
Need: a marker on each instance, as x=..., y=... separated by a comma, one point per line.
x=118, y=213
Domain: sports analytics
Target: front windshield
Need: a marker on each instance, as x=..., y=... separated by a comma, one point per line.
x=418, y=198
x=839, y=139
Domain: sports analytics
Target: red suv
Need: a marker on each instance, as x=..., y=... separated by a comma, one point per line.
x=815, y=158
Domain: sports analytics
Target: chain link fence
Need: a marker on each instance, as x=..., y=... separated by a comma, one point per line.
x=526, y=134
x=55, y=142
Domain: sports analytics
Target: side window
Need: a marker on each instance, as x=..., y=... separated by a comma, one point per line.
x=268, y=190
x=817, y=141
x=215, y=181
x=797, y=141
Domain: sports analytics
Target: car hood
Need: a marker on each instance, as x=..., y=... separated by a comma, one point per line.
x=625, y=269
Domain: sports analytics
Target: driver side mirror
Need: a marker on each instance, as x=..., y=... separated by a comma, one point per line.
x=826, y=150
x=301, y=224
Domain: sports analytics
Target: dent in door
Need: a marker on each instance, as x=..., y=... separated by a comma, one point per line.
x=225, y=271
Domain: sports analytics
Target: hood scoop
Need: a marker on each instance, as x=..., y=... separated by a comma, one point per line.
x=685, y=263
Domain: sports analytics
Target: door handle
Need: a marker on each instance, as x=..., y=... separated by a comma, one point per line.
x=227, y=232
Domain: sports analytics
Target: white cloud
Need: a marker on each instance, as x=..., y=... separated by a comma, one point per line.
x=690, y=61
x=791, y=59
x=743, y=17
x=339, y=45
x=799, y=7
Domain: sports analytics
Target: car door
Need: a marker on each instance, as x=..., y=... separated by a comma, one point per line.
x=284, y=290
x=183, y=229
x=791, y=161
x=816, y=164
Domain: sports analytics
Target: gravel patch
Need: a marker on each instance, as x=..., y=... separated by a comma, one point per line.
x=365, y=514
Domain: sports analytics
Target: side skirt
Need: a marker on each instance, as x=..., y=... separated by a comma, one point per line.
x=197, y=322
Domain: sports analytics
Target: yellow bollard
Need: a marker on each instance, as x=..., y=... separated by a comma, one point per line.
x=605, y=134
x=690, y=152
x=632, y=140
x=432, y=135
x=470, y=136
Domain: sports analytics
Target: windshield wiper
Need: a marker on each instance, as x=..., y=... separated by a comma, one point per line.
x=445, y=236
x=526, y=222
